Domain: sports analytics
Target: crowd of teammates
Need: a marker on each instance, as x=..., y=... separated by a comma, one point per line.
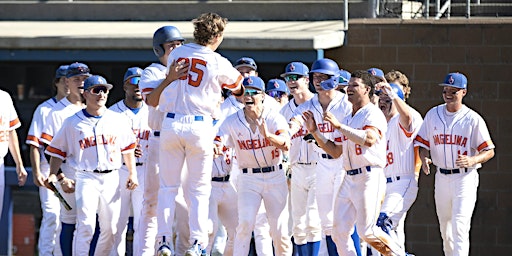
x=206, y=156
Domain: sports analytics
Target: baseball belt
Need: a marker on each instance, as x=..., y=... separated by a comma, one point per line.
x=358, y=170
x=221, y=179
x=262, y=169
x=452, y=171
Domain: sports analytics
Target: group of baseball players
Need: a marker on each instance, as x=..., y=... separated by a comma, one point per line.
x=206, y=156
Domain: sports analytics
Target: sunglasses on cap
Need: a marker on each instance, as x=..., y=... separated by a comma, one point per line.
x=251, y=92
x=134, y=80
x=98, y=89
x=276, y=94
x=292, y=77
x=77, y=71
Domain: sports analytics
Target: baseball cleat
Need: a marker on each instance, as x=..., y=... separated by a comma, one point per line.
x=164, y=248
x=195, y=250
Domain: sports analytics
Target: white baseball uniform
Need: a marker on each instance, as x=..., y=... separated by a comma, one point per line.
x=328, y=173
x=303, y=160
x=8, y=121
x=187, y=133
x=154, y=213
x=223, y=199
x=362, y=190
x=400, y=171
x=93, y=147
x=261, y=178
x=448, y=135
x=48, y=243
x=132, y=199
x=62, y=110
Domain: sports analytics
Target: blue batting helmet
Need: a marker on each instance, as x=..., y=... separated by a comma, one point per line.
x=398, y=90
x=163, y=35
x=328, y=67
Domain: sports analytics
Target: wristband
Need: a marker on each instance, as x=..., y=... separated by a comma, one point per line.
x=242, y=90
x=321, y=137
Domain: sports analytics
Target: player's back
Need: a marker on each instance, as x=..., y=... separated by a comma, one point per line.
x=199, y=92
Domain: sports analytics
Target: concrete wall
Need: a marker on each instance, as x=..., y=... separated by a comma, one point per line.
x=426, y=51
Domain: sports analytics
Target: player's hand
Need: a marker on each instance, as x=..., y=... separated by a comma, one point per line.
x=177, y=70
x=132, y=182
x=52, y=178
x=309, y=121
x=262, y=126
x=217, y=150
x=38, y=178
x=329, y=117
x=68, y=185
x=22, y=175
x=138, y=151
x=464, y=161
x=425, y=165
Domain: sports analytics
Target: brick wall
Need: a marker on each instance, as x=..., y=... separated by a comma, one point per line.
x=426, y=50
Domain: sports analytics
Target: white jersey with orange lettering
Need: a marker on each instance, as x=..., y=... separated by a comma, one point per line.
x=151, y=77
x=93, y=148
x=200, y=90
x=401, y=174
x=329, y=175
x=48, y=243
x=363, y=187
x=261, y=178
x=133, y=198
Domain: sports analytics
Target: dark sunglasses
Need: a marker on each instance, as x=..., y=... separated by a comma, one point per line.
x=289, y=78
x=250, y=92
x=98, y=89
x=134, y=80
x=77, y=71
x=276, y=94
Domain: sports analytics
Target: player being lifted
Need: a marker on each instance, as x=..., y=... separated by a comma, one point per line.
x=187, y=131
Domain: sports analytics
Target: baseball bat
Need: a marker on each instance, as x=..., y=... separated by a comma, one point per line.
x=61, y=198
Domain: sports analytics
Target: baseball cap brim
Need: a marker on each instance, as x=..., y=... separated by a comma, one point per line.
x=452, y=85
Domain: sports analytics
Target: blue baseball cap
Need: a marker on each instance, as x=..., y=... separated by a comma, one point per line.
x=77, y=69
x=296, y=68
x=254, y=82
x=376, y=72
x=96, y=80
x=61, y=71
x=246, y=62
x=344, y=77
x=456, y=80
x=132, y=72
x=277, y=85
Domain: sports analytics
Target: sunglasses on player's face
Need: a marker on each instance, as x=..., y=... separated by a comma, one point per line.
x=134, y=80
x=293, y=77
x=251, y=92
x=276, y=94
x=98, y=89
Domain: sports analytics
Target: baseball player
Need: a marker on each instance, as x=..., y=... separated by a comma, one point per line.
x=378, y=76
x=401, y=160
x=48, y=243
x=306, y=228
x=134, y=108
x=459, y=142
x=400, y=79
x=9, y=122
x=363, y=146
x=259, y=137
x=276, y=88
x=94, y=141
x=324, y=75
x=153, y=80
x=75, y=76
x=343, y=81
x=187, y=134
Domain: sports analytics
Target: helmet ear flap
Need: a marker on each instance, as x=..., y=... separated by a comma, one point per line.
x=158, y=50
x=331, y=83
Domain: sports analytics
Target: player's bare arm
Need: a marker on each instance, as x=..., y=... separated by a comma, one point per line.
x=14, y=148
x=35, y=163
x=464, y=161
x=129, y=160
x=176, y=70
x=328, y=146
x=281, y=141
x=425, y=160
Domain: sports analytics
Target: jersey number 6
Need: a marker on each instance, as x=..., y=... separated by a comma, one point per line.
x=194, y=70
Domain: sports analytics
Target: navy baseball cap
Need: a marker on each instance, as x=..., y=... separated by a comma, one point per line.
x=456, y=80
x=376, y=72
x=77, y=69
x=96, y=80
x=344, y=77
x=254, y=82
x=246, y=62
x=277, y=85
x=61, y=71
x=132, y=72
x=296, y=68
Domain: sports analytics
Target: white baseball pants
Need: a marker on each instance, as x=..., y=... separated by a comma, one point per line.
x=224, y=208
x=48, y=243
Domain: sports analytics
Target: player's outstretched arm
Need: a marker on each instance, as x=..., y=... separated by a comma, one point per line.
x=14, y=148
x=176, y=70
x=425, y=160
x=129, y=160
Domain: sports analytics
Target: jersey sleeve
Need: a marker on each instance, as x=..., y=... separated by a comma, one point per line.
x=35, y=129
x=49, y=129
x=14, y=121
x=128, y=140
x=230, y=78
x=59, y=145
x=149, y=80
x=421, y=138
x=480, y=138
